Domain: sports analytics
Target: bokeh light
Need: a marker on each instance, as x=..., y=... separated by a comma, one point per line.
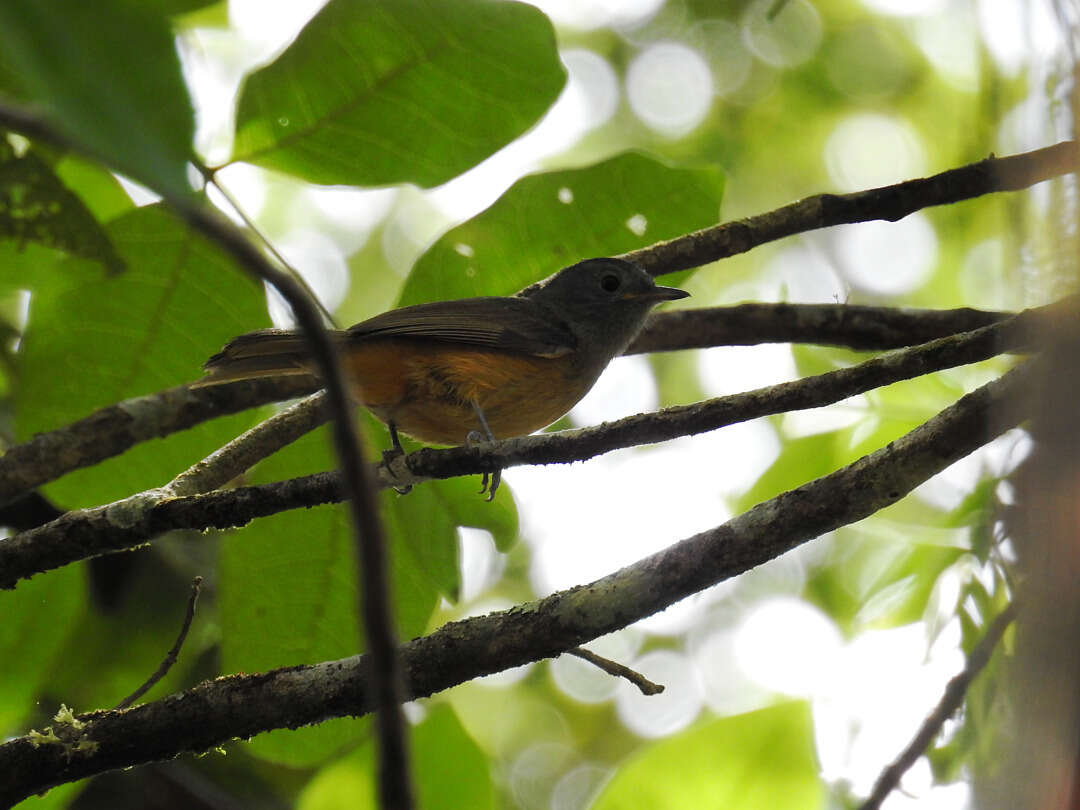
x=786, y=39
x=889, y=258
x=868, y=149
x=865, y=62
x=733, y=369
x=1013, y=30
x=727, y=688
x=802, y=273
x=726, y=53
x=576, y=789
x=535, y=771
x=907, y=8
x=670, y=88
x=950, y=41
x=786, y=645
x=590, y=14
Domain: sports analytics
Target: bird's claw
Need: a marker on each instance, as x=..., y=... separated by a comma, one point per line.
x=473, y=438
x=388, y=458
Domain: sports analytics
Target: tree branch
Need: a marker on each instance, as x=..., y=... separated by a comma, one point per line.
x=112, y=430
x=846, y=325
x=172, y=654
x=134, y=520
x=251, y=447
x=888, y=203
x=242, y=705
x=617, y=670
x=116, y=428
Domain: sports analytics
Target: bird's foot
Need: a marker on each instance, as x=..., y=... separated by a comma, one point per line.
x=489, y=483
x=392, y=455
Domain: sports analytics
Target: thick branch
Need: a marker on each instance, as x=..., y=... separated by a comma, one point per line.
x=132, y=521
x=888, y=202
x=242, y=705
x=846, y=325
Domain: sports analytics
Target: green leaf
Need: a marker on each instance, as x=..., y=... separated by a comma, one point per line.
x=37, y=619
x=289, y=595
x=412, y=91
x=92, y=340
x=546, y=221
x=764, y=759
x=440, y=739
x=108, y=74
x=36, y=206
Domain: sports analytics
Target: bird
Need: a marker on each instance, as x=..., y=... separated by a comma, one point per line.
x=459, y=371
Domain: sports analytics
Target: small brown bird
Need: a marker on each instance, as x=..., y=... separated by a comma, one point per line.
x=451, y=371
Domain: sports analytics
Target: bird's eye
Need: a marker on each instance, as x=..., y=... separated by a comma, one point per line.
x=610, y=283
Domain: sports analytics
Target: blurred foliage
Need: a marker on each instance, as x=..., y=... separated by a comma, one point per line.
x=757, y=760
x=414, y=94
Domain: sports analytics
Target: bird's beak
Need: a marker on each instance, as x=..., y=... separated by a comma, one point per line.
x=659, y=293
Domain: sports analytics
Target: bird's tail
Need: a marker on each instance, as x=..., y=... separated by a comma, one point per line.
x=265, y=353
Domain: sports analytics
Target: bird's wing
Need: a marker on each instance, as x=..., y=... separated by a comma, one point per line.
x=514, y=324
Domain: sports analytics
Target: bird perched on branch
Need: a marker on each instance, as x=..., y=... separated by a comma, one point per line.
x=458, y=371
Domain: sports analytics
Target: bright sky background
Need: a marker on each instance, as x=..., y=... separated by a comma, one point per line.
x=745, y=642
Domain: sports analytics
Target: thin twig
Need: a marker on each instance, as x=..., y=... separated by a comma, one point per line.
x=951, y=700
x=234, y=706
x=250, y=447
x=172, y=654
x=618, y=670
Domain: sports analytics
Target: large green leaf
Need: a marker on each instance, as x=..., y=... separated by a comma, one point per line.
x=764, y=760
x=436, y=743
x=546, y=221
x=108, y=73
x=296, y=573
x=94, y=339
x=412, y=91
